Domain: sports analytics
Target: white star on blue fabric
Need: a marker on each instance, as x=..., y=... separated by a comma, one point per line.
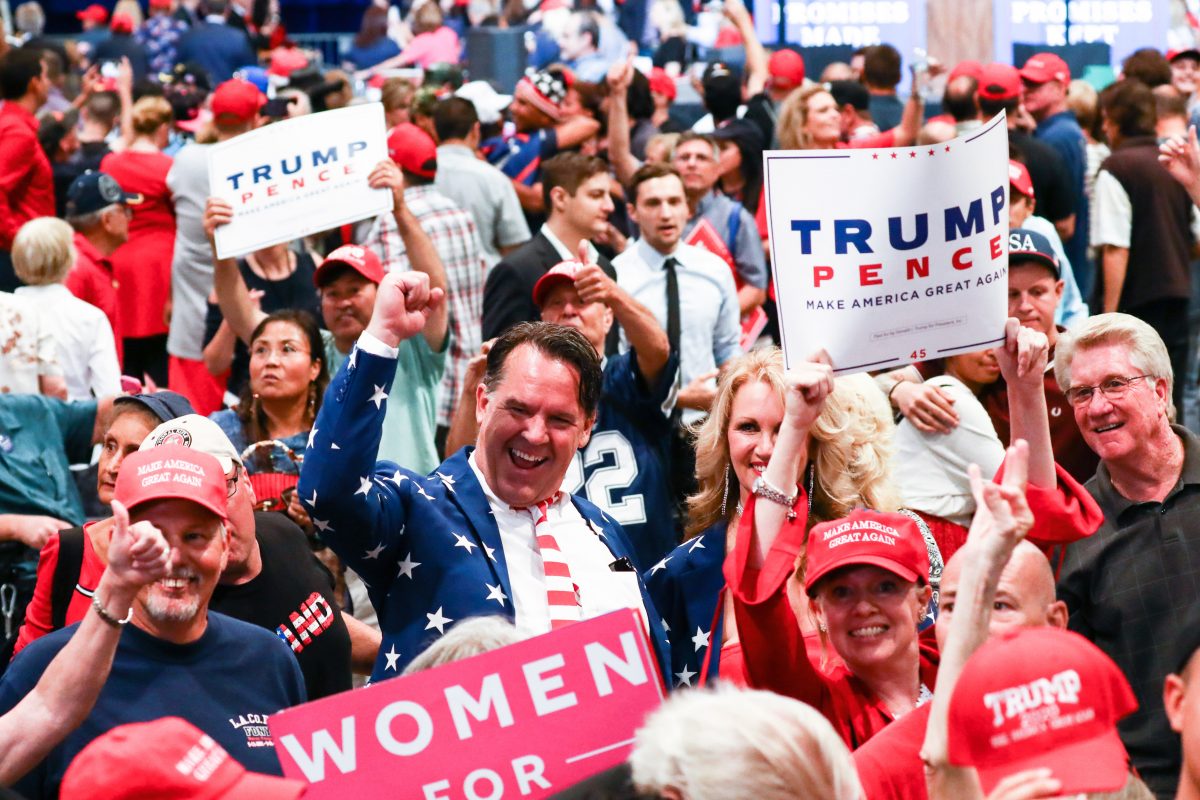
x=490, y=552
x=421, y=491
x=685, y=677
x=322, y=524
x=496, y=593
x=353, y=360
x=334, y=446
x=698, y=544
x=436, y=620
x=447, y=481
x=666, y=627
x=364, y=486
x=373, y=554
x=312, y=436
x=312, y=504
x=397, y=477
x=378, y=398
x=407, y=566
x=462, y=541
x=391, y=655
x=700, y=639
x=660, y=565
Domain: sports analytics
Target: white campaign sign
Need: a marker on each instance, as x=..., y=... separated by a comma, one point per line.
x=299, y=176
x=886, y=257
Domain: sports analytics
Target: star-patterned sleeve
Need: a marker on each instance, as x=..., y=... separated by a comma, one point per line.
x=358, y=506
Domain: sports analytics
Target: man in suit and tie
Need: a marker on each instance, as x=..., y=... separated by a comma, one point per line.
x=488, y=532
x=576, y=188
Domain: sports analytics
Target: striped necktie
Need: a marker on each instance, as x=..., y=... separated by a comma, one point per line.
x=561, y=592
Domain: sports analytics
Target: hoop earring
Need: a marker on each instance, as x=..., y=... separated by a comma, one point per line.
x=725, y=496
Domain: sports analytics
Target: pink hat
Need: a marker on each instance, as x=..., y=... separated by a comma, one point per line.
x=890, y=541
x=237, y=99
x=560, y=273
x=172, y=471
x=1018, y=177
x=1045, y=67
x=1041, y=697
x=169, y=757
x=360, y=259
x=413, y=149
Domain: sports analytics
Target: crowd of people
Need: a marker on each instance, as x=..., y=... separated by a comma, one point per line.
x=546, y=385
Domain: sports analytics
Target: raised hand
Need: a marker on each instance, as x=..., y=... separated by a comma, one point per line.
x=1024, y=354
x=403, y=304
x=808, y=384
x=1181, y=156
x=217, y=212
x=927, y=407
x=386, y=175
x=137, y=554
x=1002, y=514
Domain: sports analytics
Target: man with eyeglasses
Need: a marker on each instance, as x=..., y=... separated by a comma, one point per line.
x=1130, y=586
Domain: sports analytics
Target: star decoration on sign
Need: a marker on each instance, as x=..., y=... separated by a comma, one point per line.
x=947, y=148
x=700, y=639
x=912, y=153
x=312, y=436
x=685, y=677
x=378, y=398
x=698, y=544
x=436, y=620
x=660, y=565
x=374, y=554
x=931, y=151
x=322, y=525
x=462, y=541
x=364, y=486
x=874, y=157
x=391, y=656
x=893, y=155
x=496, y=593
x=407, y=566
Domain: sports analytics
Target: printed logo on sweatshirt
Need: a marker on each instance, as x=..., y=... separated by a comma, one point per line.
x=304, y=625
x=258, y=734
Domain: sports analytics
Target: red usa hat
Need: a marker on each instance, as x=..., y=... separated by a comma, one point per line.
x=237, y=98
x=786, y=68
x=1018, y=176
x=413, y=149
x=93, y=13
x=999, y=82
x=172, y=471
x=1011, y=712
x=891, y=541
x=1044, y=67
x=168, y=757
x=360, y=259
x=560, y=273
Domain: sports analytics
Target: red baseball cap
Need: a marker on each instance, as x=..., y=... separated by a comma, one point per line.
x=238, y=99
x=121, y=23
x=172, y=471
x=786, y=68
x=1018, y=177
x=160, y=3
x=999, y=82
x=360, y=259
x=286, y=60
x=968, y=67
x=413, y=149
x=891, y=541
x=168, y=757
x=1041, y=697
x=662, y=83
x=93, y=13
x=1186, y=52
x=560, y=273
x=1044, y=67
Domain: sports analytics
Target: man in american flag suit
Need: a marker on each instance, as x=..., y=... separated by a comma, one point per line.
x=488, y=532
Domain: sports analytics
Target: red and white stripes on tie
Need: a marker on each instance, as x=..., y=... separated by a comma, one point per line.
x=561, y=592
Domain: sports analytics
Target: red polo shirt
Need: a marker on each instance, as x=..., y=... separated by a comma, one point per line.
x=91, y=280
x=26, y=184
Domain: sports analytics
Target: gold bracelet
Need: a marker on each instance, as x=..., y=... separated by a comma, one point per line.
x=109, y=618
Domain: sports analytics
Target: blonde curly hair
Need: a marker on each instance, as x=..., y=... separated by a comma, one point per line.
x=790, y=128
x=850, y=454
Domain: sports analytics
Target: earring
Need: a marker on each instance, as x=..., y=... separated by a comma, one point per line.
x=725, y=497
x=821, y=627
x=312, y=398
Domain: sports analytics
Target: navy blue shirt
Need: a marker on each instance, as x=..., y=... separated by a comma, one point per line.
x=226, y=683
x=623, y=468
x=1062, y=132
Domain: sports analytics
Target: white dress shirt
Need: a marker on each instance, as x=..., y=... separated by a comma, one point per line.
x=709, y=315
x=601, y=590
x=565, y=252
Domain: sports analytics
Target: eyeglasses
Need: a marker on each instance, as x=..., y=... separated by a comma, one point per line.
x=231, y=482
x=1112, y=389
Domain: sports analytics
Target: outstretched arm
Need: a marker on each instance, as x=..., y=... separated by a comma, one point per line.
x=1023, y=358
x=64, y=696
x=620, y=151
x=237, y=306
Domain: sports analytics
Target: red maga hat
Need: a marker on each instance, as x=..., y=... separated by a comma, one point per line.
x=560, y=273
x=890, y=541
x=1018, y=177
x=172, y=471
x=93, y=13
x=1011, y=712
x=358, y=258
x=999, y=82
x=237, y=98
x=1045, y=67
x=413, y=149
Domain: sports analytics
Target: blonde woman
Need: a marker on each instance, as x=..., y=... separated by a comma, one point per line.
x=43, y=253
x=850, y=468
x=142, y=266
x=811, y=119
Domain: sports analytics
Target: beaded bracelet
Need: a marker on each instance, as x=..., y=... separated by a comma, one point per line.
x=109, y=618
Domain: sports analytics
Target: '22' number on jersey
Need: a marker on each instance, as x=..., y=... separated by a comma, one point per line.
x=604, y=486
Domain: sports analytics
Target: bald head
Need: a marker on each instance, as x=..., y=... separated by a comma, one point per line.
x=1025, y=595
